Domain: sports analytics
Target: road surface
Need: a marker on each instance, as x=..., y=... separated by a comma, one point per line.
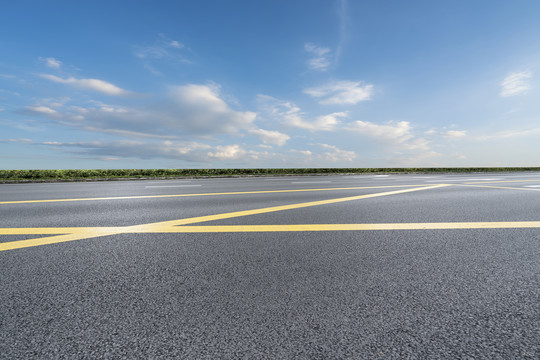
x=316, y=267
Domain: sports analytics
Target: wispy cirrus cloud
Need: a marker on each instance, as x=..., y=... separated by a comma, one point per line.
x=162, y=48
x=516, y=84
x=100, y=86
x=341, y=92
x=506, y=134
x=320, y=57
x=343, y=29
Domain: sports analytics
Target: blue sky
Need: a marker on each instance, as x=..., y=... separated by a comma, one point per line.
x=219, y=84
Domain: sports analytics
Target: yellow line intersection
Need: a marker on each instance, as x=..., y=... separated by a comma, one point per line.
x=65, y=234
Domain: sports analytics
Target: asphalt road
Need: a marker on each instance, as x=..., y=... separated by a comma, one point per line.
x=319, y=267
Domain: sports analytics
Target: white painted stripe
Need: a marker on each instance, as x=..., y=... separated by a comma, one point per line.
x=533, y=186
x=453, y=180
x=167, y=182
x=310, y=182
x=170, y=186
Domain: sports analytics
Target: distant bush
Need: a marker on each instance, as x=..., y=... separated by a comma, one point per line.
x=79, y=174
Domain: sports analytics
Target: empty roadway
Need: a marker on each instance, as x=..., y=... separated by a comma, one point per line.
x=365, y=266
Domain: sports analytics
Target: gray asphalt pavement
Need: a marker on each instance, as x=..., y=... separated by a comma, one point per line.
x=452, y=293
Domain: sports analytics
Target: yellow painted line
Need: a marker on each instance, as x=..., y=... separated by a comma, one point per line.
x=52, y=230
x=350, y=227
x=74, y=233
x=500, y=187
x=234, y=214
x=90, y=233
x=87, y=233
x=206, y=194
x=500, y=181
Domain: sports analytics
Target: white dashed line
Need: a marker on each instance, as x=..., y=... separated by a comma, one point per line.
x=310, y=182
x=452, y=180
x=170, y=186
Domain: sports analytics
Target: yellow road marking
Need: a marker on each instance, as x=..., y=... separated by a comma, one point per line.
x=500, y=187
x=86, y=233
x=282, y=207
x=500, y=181
x=350, y=227
x=53, y=230
x=71, y=233
x=206, y=194
x=53, y=239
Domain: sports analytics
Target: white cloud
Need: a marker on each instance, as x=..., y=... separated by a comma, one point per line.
x=328, y=122
x=270, y=137
x=136, y=149
x=454, y=134
x=290, y=114
x=185, y=111
x=24, y=141
x=227, y=152
x=321, y=123
x=394, y=134
x=200, y=109
x=516, y=84
x=303, y=152
x=320, y=60
x=510, y=134
x=334, y=154
x=89, y=84
x=391, y=131
x=341, y=92
x=51, y=62
x=52, y=143
x=45, y=110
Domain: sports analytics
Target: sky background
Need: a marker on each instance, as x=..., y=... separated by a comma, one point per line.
x=296, y=83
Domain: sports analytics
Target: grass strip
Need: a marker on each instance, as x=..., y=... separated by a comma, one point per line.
x=96, y=174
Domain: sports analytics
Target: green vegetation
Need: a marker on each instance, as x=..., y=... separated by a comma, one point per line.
x=73, y=175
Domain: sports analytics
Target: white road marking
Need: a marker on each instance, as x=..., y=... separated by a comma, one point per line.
x=310, y=182
x=449, y=180
x=170, y=186
x=168, y=182
x=377, y=176
x=533, y=186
